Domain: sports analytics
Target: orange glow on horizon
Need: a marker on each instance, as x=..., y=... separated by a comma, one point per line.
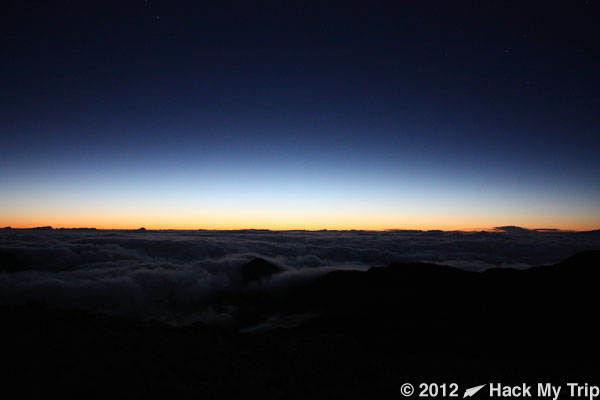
x=286, y=217
x=134, y=223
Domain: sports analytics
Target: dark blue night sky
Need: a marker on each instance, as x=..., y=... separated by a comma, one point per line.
x=450, y=115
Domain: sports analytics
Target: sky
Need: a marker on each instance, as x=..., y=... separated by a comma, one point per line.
x=308, y=115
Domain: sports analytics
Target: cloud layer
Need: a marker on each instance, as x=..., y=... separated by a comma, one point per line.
x=174, y=276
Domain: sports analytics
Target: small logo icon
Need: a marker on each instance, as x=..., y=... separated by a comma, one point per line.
x=407, y=390
x=471, y=391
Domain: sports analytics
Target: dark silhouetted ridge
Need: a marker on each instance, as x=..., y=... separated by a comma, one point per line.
x=364, y=334
x=594, y=232
x=257, y=269
x=512, y=229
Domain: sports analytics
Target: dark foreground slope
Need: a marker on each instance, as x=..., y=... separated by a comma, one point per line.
x=370, y=332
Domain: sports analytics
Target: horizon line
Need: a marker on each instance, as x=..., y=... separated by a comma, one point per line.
x=498, y=229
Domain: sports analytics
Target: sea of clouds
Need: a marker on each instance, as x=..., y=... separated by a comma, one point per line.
x=174, y=276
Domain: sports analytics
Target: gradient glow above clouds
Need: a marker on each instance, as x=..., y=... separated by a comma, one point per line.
x=417, y=117
x=271, y=189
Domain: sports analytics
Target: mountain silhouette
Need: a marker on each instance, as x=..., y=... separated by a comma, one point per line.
x=258, y=269
x=586, y=233
x=367, y=332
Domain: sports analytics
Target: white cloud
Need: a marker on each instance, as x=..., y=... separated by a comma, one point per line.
x=175, y=276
